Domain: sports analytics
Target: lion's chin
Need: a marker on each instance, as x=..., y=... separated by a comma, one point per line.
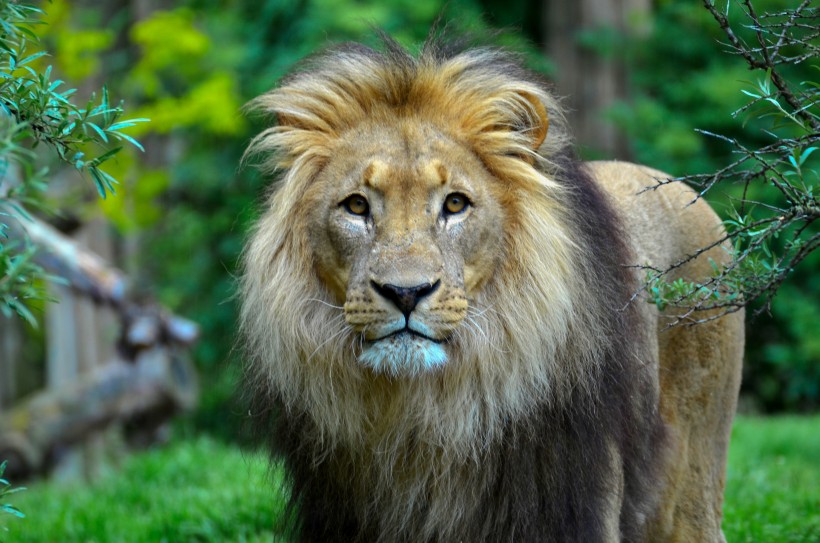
x=403, y=355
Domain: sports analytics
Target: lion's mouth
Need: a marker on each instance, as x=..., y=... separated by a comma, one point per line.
x=404, y=352
x=407, y=331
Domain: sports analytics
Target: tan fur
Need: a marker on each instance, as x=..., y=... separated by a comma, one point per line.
x=700, y=366
x=507, y=294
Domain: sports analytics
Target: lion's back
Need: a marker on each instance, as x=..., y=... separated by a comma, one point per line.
x=666, y=223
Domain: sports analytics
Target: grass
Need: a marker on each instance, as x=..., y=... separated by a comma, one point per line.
x=773, y=484
x=206, y=491
x=192, y=491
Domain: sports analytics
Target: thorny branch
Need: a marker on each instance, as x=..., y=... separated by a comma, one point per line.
x=770, y=239
x=768, y=56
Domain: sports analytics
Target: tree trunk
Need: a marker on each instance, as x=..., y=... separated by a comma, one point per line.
x=11, y=348
x=592, y=77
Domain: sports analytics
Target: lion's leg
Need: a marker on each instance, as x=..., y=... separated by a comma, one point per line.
x=700, y=376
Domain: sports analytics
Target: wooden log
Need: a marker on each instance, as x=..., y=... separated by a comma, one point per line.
x=88, y=274
x=159, y=383
x=148, y=380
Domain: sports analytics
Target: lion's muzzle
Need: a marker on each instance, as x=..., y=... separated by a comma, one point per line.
x=402, y=337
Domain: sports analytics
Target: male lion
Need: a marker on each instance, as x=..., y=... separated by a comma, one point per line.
x=436, y=304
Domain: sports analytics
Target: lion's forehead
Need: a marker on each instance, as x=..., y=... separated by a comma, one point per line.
x=410, y=178
x=407, y=159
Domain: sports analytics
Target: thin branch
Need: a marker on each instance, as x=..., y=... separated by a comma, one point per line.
x=766, y=62
x=788, y=26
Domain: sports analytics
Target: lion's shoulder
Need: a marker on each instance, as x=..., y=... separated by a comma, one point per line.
x=664, y=222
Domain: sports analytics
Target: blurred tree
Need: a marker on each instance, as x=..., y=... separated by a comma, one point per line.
x=190, y=65
x=584, y=38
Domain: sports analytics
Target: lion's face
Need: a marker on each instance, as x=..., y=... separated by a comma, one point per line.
x=406, y=230
x=416, y=231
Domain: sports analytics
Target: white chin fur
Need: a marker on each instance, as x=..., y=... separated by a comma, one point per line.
x=403, y=355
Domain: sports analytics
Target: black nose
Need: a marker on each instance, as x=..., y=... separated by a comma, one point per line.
x=405, y=298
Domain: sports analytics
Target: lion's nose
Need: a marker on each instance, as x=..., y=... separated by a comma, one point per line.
x=405, y=298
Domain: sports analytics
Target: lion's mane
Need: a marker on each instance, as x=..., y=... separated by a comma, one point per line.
x=548, y=407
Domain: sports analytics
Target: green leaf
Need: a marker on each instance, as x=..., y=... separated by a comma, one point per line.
x=23, y=312
x=10, y=509
x=32, y=58
x=69, y=128
x=98, y=130
x=806, y=154
x=109, y=181
x=98, y=181
x=130, y=140
x=105, y=156
x=54, y=85
x=125, y=124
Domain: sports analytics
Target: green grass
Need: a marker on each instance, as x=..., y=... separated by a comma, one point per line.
x=773, y=485
x=205, y=491
x=193, y=491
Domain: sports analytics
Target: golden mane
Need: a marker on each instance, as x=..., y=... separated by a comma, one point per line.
x=476, y=96
x=480, y=95
x=538, y=334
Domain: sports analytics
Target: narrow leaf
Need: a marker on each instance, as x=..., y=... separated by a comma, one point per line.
x=98, y=130
x=130, y=140
x=125, y=124
x=98, y=181
x=806, y=154
x=32, y=58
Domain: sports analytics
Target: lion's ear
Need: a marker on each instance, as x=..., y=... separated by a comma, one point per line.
x=536, y=123
x=515, y=123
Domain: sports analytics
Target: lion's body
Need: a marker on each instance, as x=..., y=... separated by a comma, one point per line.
x=436, y=309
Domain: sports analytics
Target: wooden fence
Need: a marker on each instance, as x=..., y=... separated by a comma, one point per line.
x=108, y=362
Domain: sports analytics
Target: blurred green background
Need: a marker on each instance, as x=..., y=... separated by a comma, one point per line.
x=185, y=205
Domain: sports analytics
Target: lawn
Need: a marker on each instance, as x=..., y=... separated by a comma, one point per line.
x=773, y=486
x=205, y=491
x=192, y=491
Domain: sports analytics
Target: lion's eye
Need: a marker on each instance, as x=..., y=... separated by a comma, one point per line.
x=455, y=203
x=357, y=205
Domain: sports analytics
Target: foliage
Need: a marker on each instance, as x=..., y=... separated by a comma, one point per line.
x=190, y=68
x=202, y=491
x=5, y=490
x=38, y=110
x=770, y=237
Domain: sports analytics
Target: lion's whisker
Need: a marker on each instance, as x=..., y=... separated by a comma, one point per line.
x=325, y=303
x=476, y=312
x=332, y=337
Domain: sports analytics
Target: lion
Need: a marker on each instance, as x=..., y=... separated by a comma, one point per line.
x=442, y=336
